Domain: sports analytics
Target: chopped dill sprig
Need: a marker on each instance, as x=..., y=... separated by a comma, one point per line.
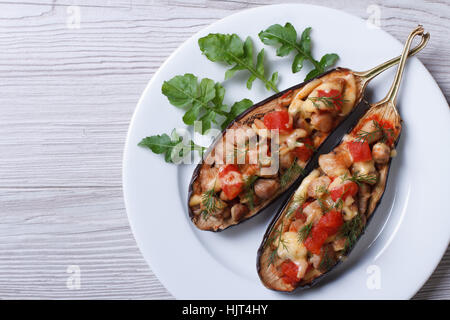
x=291, y=173
x=210, y=203
x=276, y=237
x=323, y=205
x=361, y=178
x=339, y=204
x=327, y=261
x=311, y=147
x=322, y=190
x=351, y=231
x=330, y=102
x=386, y=134
x=304, y=232
x=249, y=192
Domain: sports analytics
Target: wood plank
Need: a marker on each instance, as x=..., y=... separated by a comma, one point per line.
x=43, y=231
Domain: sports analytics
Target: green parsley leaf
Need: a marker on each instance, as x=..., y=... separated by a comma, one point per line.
x=173, y=147
x=202, y=101
x=236, y=109
x=230, y=49
x=285, y=39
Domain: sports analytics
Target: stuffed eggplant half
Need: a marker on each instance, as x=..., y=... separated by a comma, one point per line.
x=247, y=168
x=326, y=215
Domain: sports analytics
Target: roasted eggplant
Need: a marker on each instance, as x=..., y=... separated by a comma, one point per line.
x=237, y=179
x=324, y=218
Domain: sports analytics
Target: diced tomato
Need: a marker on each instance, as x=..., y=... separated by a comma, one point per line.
x=286, y=94
x=360, y=151
x=331, y=222
x=290, y=271
x=328, y=225
x=388, y=127
x=349, y=188
x=224, y=170
x=278, y=120
x=316, y=239
x=305, y=152
x=389, y=131
x=231, y=180
x=299, y=215
x=334, y=94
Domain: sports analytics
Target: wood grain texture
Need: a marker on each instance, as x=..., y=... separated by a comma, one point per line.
x=67, y=96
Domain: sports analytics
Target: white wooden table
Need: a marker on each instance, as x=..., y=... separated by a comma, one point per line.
x=66, y=98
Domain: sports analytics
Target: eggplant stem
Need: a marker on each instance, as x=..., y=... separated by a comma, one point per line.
x=391, y=96
x=368, y=75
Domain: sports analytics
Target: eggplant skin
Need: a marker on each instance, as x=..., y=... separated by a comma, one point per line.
x=256, y=110
x=266, y=272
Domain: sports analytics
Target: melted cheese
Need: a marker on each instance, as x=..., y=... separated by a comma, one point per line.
x=289, y=142
x=295, y=251
x=349, y=210
x=295, y=107
x=291, y=248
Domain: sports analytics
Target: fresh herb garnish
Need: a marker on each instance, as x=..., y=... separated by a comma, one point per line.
x=361, y=178
x=210, y=203
x=330, y=102
x=323, y=205
x=230, y=49
x=311, y=147
x=291, y=173
x=236, y=109
x=172, y=146
x=304, y=232
x=351, y=230
x=339, y=204
x=249, y=193
x=286, y=36
x=387, y=134
x=322, y=190
x=202, y=101
x=327, y=261
x=276, y=237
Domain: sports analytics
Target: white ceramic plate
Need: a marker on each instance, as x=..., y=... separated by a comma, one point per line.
x=410, y=231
